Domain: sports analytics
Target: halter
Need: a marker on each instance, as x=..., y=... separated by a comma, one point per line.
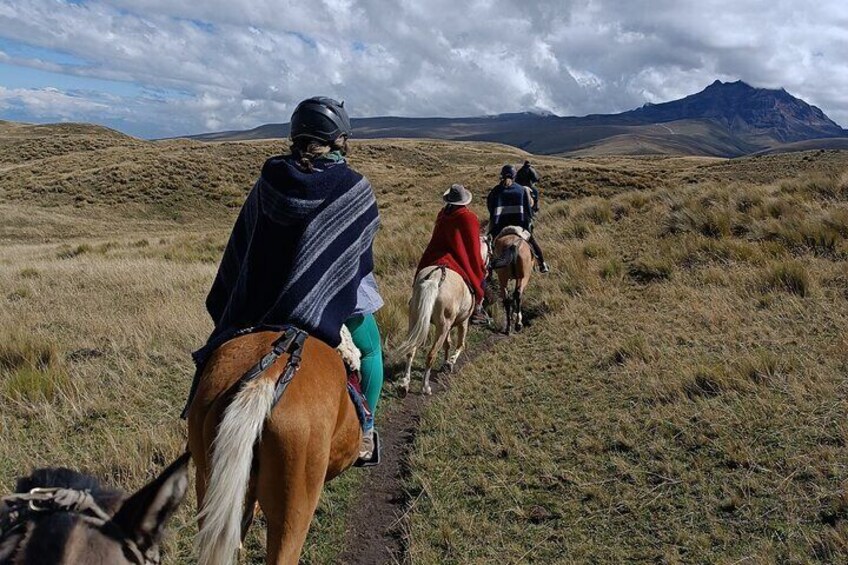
x=24, y=506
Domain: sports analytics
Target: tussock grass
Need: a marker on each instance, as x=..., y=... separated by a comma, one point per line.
x=612, y=269
x=698, y=419
x=596, y=211
x=672, y=422
x=650, y=269
x=70, y=252
x=594, y=250
x=30, y=367
x=789, y=276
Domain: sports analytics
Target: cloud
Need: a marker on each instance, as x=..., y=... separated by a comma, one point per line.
x=239, y=63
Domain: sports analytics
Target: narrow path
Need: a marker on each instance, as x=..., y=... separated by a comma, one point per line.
x=377, y=520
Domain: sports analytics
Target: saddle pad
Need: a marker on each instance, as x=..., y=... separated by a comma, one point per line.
x=350, y=354
x=516, y=230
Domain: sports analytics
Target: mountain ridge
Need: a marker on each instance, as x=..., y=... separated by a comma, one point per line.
x=726, y=119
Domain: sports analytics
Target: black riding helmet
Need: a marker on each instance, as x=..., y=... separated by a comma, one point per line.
x=508, y=172
x=320, y=118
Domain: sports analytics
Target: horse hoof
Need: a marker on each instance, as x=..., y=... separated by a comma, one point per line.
x=448, y=368
x=427, y=390
x=519, y=327
x=403, y=390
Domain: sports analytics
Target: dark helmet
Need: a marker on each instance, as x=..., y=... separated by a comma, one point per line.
x=320, y=118
x=508, y=172
x=527, y=163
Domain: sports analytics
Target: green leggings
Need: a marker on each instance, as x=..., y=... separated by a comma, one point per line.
x=366, y=337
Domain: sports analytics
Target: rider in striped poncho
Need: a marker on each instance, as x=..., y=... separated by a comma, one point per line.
x=300, y=251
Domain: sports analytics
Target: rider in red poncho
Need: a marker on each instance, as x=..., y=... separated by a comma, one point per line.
x=455, y=242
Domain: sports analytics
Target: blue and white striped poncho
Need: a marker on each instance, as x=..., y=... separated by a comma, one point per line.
x=297, y=253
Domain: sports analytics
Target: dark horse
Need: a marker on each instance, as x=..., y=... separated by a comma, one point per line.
x=65, y=517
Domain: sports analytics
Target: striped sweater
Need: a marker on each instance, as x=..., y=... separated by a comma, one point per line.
x=509, y=206
x=296, y=255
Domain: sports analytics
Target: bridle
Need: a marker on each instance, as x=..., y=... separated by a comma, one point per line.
x=23, y=507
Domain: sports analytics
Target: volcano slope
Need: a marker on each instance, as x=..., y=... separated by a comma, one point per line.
x=682, y=396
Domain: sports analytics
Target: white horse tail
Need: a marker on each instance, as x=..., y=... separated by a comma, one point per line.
x=424, y=295
x=232, y=456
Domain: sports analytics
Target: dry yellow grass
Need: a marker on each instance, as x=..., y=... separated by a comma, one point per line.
x=682, y=399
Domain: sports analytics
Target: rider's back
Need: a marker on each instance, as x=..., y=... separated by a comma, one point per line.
x=527, y=176
x=509, y=206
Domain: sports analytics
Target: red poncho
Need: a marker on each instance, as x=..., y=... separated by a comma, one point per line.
x=455, y=244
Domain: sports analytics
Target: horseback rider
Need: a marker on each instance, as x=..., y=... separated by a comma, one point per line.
x=301, y=249
x=511, y=204
x=527, y=176
x=455, y=244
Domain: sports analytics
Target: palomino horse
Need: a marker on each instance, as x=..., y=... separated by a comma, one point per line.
x=248, y=447
x=441, y=297
x=64, y=517
x=515, y=262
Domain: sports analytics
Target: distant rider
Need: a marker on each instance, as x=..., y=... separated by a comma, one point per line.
x=511, y=204
x=455, y=244
x=527, y=176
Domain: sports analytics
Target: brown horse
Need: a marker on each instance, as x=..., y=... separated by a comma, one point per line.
x=439, y=297
x=64, y=517
x=514, y=261
x=248, y=449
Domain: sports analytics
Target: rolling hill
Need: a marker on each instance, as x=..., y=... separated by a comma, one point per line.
x=724, y=120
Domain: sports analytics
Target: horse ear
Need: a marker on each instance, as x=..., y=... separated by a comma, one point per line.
x=143, y=515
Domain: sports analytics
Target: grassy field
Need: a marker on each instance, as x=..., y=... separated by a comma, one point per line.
x=680, y=395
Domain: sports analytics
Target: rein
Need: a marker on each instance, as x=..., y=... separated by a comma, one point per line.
x=23, y=507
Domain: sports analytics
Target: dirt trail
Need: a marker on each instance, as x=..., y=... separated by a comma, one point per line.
x=377, y=520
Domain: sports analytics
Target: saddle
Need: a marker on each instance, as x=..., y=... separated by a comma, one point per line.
x=510, y=254
x=291, y=342
x=515, y=230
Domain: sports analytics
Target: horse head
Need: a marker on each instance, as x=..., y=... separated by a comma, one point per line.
x=61, y=516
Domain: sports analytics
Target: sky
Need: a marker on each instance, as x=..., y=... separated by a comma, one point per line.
x=158, y=68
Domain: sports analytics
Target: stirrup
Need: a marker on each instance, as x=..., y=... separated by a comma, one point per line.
x=375, y=455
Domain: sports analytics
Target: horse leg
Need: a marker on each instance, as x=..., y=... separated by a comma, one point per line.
x=407, y=376
x=447, y=348
x=507, y=303
x=516, y=299
x=291, y=477
x=202, y=427
x=442, y=331
x=251, y=508
x=503, y=284
x=462, y=331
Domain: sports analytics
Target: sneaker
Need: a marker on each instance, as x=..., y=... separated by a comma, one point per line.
x=369, y=450
x=544, y=268
x=480, y=318
x=366, y=448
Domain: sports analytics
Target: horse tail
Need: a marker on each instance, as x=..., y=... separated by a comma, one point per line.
x=425, y=293
x=232, y=457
